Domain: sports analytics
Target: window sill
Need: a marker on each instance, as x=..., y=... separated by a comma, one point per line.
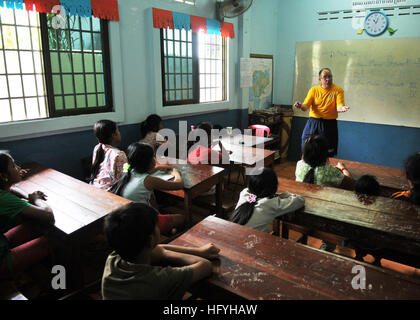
x=193, y=109
x=44, y=127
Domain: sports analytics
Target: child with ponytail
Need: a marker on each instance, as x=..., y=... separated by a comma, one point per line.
x=107, y=159
x=259, y=204
x=138, y=183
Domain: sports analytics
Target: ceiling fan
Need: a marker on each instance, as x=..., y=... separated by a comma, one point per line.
x=231, y=8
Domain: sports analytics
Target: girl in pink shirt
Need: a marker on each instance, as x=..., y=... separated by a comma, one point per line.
x=107, y=159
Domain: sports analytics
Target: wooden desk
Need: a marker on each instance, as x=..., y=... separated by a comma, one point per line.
x=390, y=179
x=246, y=140
x=248, y=156
x=258, y=266
x=79, y=209
x=381, y=222
x=76, y=204
x=198, y=178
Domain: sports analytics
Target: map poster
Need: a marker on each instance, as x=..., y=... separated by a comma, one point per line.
x=261, y=91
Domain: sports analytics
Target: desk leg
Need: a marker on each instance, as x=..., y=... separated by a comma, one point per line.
x=187, y=206
x=219, y=195
x=284, y=230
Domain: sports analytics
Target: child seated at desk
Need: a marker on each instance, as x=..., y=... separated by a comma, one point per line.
x=107, y=159
x=137, y=269
x=314, y=168
x=412, y=171
x=259, y=204
x=20, y=246
x=137, y=182
x=149, y=130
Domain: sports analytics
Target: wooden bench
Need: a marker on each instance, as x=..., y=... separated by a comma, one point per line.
x=385, y=223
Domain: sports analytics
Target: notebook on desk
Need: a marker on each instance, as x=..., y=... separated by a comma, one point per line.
x=163, y=175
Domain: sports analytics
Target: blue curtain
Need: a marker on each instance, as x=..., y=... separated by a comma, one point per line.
x=82, y=8
x=181, y=21
x=213, y=27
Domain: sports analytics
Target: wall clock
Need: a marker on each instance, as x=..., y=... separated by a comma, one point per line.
x=375, y=23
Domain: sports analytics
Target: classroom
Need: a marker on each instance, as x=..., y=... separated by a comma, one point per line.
x=83, y=82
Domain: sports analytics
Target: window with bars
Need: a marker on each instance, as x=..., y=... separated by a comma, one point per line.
x=193, y=67
x=47, y=72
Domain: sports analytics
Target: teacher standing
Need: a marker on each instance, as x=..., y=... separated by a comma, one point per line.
x=325, y=101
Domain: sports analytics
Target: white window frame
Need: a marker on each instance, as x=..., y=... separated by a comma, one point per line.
x=42, y=127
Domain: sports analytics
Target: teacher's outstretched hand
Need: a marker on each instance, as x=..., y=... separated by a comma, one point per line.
x=342, y=108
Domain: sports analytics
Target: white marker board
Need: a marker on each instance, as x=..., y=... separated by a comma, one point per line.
x=380, y=77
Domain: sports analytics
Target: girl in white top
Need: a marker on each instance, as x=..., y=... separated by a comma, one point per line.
x=259, y=204
x=137, y=183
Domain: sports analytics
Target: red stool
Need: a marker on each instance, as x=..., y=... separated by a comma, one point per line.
x=260, y=130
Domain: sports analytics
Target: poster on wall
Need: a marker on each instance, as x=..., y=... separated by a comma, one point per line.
x=261, y=91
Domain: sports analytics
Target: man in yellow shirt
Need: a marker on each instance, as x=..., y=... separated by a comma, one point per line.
x=325, y=102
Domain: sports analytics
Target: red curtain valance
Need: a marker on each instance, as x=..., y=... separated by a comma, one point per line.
x=162, y=19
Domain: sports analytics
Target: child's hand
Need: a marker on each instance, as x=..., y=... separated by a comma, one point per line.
x=23, y=173
x=340, y=166
x=209, y=251
x=32, y=197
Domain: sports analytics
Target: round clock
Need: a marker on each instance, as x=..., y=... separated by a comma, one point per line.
x=375, y=23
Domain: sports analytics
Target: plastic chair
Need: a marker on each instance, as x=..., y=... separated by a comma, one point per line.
x=260, y=130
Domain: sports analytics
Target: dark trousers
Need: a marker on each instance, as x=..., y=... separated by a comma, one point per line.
x=323, y=127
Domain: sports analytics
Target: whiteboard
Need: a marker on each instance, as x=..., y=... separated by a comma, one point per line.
x=380, y=77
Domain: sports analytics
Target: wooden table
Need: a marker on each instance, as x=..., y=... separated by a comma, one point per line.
x=382, y=222
x=258, y=266
x=76, y=204
x=79, y=209
x=246, y=140
x=198, y=178
x=390, y=179
x=248, y=156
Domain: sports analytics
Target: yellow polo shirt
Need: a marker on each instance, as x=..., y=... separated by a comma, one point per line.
x=324, y=102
